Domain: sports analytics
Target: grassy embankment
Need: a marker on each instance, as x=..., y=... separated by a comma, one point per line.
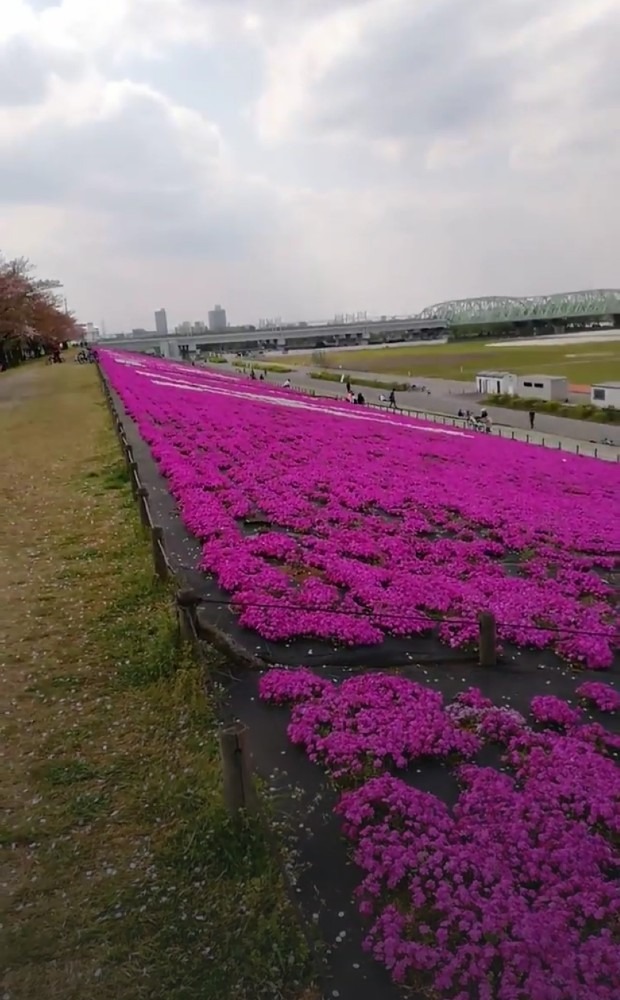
x=581, y=363
x=123, y=878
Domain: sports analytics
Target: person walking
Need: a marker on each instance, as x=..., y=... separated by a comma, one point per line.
x=532, y=419
x=392, y=399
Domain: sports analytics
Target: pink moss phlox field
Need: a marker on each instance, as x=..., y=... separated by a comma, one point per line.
x=368, y=524
x=602, y=696
x=511, y=894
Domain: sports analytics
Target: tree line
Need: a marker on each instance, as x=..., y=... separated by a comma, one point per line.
x=32, y=323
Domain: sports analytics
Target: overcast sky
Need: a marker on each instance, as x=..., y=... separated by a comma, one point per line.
x=299, y=158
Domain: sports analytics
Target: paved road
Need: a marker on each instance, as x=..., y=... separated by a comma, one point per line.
x=445, y=398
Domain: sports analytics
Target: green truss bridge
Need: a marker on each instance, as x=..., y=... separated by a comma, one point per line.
x=566, y=308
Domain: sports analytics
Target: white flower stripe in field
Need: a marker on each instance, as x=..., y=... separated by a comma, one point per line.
x=345, y=411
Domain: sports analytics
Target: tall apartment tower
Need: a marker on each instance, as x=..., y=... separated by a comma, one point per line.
x=161, y=322
x=217, y=319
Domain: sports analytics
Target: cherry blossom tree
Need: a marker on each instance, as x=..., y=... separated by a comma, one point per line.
x=31, y=320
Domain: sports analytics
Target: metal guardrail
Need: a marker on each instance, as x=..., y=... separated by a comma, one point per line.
x=497, y=430
x=503, y=431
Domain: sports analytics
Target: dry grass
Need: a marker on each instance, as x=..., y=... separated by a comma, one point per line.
x=122, y=877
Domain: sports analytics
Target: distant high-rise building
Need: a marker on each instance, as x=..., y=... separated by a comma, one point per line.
x=161, y=322
x=217, y=319
x=90, y=331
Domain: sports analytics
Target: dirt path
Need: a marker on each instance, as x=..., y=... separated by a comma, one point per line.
x=20, y=385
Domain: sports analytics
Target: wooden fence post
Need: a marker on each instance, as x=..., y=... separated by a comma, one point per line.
x=133, y=478
x=159, y=555
x=186, y=633
x=187, y=602
x=488, y=639
x=142, y=494
x=238, y=789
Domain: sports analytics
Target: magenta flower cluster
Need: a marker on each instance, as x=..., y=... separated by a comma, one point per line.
x=513, y=893
x=368, y=722
x=473, y=711
x=283, y=687
x=355, y=515
x=502, y=899
x=602, y=696
x=551, y=711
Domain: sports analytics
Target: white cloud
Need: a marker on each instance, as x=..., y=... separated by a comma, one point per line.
x=423, y=72
x=394, y=152
x=116, y=27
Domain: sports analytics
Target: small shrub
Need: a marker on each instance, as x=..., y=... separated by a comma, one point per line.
x=321, y=359
x=263, y=366
x=575, y=411
x=371, y=382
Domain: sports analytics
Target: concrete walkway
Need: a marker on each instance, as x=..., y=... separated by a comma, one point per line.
x=442, y=401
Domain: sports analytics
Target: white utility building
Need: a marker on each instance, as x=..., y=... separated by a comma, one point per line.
x=547, y=387
x=606, y=394
x=496, y=383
